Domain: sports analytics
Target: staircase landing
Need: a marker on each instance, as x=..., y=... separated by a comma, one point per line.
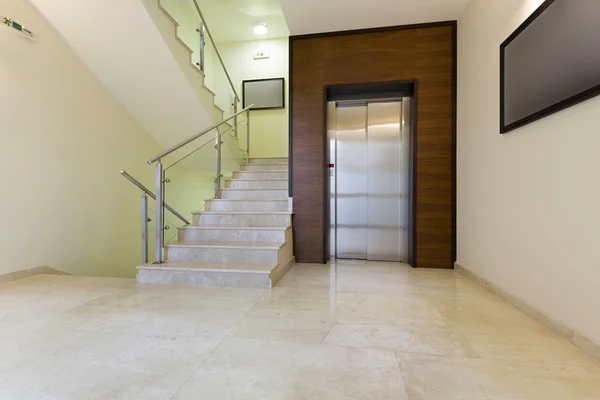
x=242, y=239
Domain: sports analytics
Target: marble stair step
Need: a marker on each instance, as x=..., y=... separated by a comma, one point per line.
x=256, y=194
x=252, y=253
x=265, y=167
x=260, y=276
x=234, y=234
x=259, y=175
x=263, y=161
x=257, y=184
x=243, y=218
x=246, y=205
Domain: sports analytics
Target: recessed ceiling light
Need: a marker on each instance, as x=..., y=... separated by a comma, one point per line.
x=261, y=29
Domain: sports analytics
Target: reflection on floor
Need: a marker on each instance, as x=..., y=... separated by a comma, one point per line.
x=351, y=330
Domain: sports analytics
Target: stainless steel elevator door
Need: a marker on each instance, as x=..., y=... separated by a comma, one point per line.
x=351, y=182
x=383, y=181
x=369, y=175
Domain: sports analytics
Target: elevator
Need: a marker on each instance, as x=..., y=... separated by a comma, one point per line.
x=369, y=179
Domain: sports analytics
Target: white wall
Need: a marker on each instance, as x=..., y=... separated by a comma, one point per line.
x=268, y=128
x=528, y=201
x=131, y=46
x=63, y=140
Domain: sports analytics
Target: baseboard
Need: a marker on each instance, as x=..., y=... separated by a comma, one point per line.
x=580, y=340
x=25, y=273
x=281, y=270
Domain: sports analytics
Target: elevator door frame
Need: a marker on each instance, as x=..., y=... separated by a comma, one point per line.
x=373, y=91
x=369, y=168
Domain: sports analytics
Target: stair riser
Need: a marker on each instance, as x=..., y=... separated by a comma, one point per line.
x=270, y=205
x=206, y=278
x=219, y=255
x=269, y=161
x=256, y=184
x=260, y=220
x=260, y=175
x=271, y=167
x=254, y=194
x=234, y=235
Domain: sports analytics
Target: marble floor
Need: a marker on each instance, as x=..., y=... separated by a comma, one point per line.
x=350, y=330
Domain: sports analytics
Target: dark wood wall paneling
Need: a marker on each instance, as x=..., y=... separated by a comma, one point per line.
x=424, y=53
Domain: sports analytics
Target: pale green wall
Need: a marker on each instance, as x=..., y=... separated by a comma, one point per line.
x=269, y=128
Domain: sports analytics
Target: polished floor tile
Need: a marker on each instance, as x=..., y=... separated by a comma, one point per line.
x=351, y=330
x=257, y=369
x=429, y=377
x=406, y=338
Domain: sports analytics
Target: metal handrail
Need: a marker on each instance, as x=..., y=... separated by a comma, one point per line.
x=191, y=139
x=149, y=193
x=216, y=50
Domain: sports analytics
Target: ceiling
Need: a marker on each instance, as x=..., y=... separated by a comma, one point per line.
x=316, y=16
x=236, y=19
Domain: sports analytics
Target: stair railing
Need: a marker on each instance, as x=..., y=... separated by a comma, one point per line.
x=145, y=219
x=205, y=31
x=225, y=133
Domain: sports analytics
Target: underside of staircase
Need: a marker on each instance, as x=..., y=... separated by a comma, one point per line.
x=242, y=239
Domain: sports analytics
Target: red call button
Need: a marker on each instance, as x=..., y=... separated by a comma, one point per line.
x=331, y=165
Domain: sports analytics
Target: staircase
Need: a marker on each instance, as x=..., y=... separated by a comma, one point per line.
x=242, y=239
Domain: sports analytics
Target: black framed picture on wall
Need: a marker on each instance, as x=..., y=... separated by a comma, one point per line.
x=264, y=94
x=551, y=62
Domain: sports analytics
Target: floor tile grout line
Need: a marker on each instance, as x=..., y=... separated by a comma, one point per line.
x=216, y=347
x=329, y=330
x=402, y=375
x=417, y=353
x=406, y=388
x=463, y=338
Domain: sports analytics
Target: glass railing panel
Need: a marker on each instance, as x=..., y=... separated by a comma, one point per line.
x=171, y=231
x=217, y=81
x=193, y=32
x=189, y=24
x=189, y=181
x=233, y=155
x=243, y=132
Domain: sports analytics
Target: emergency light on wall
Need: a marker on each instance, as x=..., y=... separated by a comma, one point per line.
x=13, y=24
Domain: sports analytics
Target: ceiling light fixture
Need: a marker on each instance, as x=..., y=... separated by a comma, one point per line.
x=260, y=29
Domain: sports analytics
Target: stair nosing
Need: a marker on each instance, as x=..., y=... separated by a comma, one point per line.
x=230, y=228
x=258, y=180
x=257, y=199
x=245, y=212
x=263, y=164
x=262, y=171
x=254, y=200
x=250, y=246
x=167, y=267
x=255, y=189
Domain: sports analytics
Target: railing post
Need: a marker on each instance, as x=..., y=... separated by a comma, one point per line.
x=144, y=229
x=248, y=137
x=235, y=111
x=202, y=46
x=218, y=166
x=159, y=212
